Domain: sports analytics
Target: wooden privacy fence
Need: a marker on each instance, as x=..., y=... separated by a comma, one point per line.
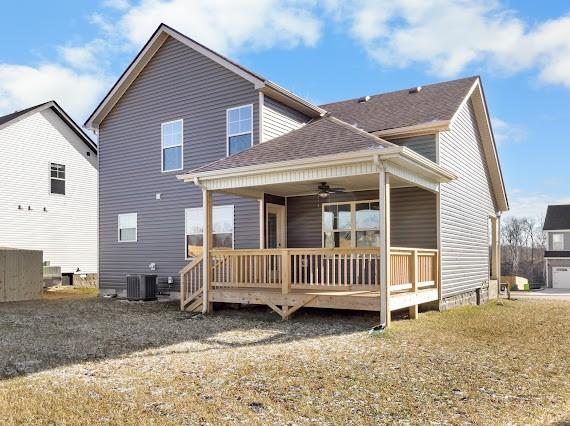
x=313, y=268
x=21, y=274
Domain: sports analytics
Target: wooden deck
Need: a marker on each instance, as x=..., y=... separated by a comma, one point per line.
x=289, y=279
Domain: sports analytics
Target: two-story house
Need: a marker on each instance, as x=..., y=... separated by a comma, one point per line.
x=48, y=195
x=380, y=203
x=557, y=254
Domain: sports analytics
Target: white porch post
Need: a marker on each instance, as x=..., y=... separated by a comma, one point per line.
x=206, y=247
x=384, y=198
x=495, y=247
x=499, y=260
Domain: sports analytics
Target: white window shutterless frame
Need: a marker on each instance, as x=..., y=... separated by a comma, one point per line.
x=222, y=229
x=351, y=224
x=172, y=144
x=557, y=242
x=239, y=129
x=127, y=227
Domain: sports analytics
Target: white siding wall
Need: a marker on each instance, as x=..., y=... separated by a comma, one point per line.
x=67, y=231
x=279, y=119
x=465, y=206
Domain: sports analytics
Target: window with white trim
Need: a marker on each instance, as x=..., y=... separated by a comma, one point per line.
x=127, y=227
x=557, y=242
x=57, y=178
x=239, y=128
x=172, y=145
x=222, y=229
x=351, y=224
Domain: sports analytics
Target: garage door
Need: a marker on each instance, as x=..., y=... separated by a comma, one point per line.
x=561, y=277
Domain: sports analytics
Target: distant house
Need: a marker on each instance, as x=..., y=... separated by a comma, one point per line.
x=259, y=196
x=557, y=255
x=48, y=187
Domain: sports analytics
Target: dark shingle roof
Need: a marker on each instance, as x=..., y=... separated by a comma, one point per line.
x=435, y=102
x=9, y=117
x=324, y=136
x=557, y=217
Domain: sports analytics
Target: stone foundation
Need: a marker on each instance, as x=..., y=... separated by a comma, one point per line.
x=487, y=292
x=85, y=281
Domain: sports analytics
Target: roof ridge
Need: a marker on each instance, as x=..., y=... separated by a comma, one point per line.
x=473, y=77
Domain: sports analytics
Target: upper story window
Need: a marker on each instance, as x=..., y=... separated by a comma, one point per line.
x=239, y=128
x=557, y=242
x=128, y=227
x=57, y=178
x=222, y=229
x=354, y=224
x=172, y=146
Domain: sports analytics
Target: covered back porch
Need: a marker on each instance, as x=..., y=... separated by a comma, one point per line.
x=344, y=259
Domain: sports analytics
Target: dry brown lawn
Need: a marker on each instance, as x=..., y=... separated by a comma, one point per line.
x=76, y=359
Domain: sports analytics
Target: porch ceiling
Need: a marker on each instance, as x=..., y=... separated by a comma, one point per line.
x=353, y=171
x=349, y=183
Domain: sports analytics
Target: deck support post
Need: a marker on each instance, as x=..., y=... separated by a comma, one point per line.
x=285, y=281
x=384, y=198
x=413, y=310
x=206, y=247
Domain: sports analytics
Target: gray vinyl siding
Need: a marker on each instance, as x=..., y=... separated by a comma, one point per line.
x=465, y=206
x=413, y=217
x=566, y=240
x=177, y=83
x=424, y=145
x=279, y=119
x=553, y=263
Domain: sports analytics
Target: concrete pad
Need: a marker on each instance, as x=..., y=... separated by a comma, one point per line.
x=545, y=293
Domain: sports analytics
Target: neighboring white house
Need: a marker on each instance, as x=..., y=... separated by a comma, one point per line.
x=48, y=187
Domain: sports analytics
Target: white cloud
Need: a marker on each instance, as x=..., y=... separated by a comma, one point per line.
x=507, y=133
x=117, y=4
x=86, y=56
x=225, y=26
x=530, y=204
x=450, y=35
x=23, y=86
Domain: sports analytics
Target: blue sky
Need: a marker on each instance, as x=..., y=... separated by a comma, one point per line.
x=325, y=51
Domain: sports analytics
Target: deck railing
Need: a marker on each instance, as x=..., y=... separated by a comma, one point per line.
x=411, y=269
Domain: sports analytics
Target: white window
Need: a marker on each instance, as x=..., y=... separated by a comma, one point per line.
x=353, y=224
x=239, y=128
x=57, y=178
x=558, y=242
x=127, y=227
x=172, y=146
x=222, y=229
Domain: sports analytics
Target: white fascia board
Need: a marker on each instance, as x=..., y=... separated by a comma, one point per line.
x=415, y=130
x=289, y=98
x=400, y=155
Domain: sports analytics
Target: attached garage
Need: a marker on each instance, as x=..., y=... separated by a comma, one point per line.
x=561, y=277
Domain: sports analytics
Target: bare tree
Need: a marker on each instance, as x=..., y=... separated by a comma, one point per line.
x=530, y=234
x=513, y=236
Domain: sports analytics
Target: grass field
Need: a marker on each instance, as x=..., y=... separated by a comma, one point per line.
x=75, y=359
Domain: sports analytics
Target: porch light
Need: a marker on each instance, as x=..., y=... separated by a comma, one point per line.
x=323, y=194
